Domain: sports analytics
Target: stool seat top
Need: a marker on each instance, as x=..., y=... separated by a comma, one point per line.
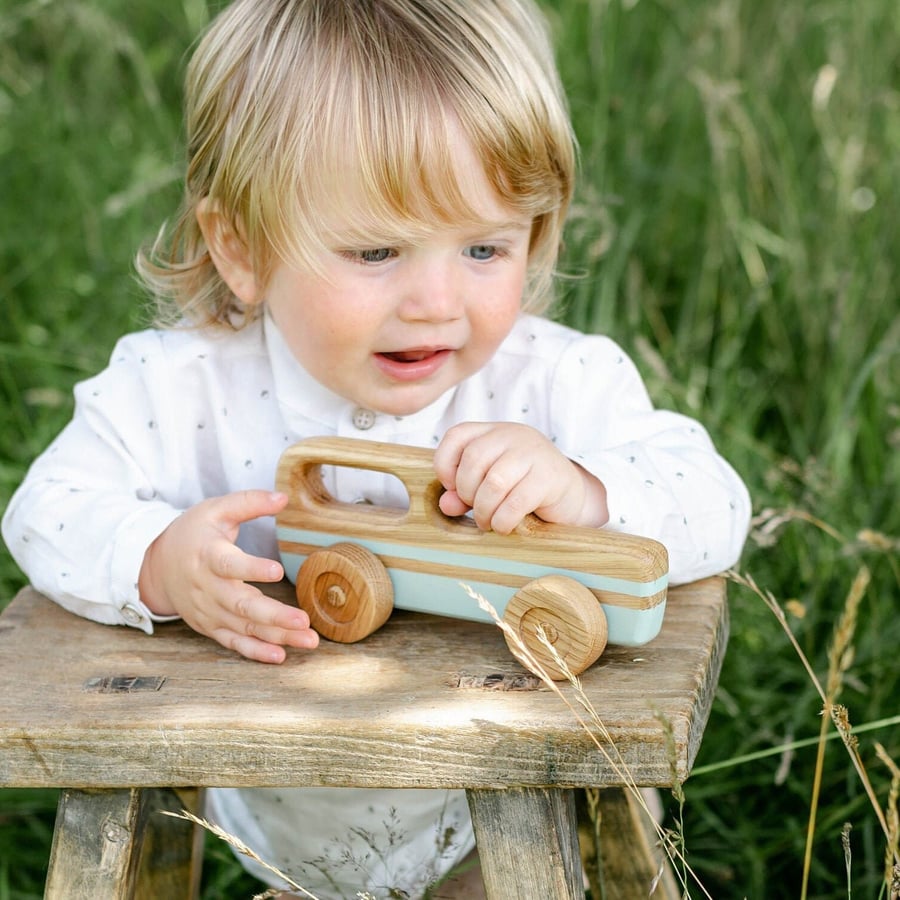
x=424, y=702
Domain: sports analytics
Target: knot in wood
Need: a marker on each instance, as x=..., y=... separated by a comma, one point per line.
x=115, y=833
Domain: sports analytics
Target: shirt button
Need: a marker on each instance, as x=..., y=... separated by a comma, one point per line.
x=131, y=615
x=363, y=419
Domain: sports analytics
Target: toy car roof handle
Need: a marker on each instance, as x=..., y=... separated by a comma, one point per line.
x=299, y=475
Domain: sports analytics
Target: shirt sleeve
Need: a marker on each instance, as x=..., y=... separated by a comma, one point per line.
x=81, y=520
x=664, y=478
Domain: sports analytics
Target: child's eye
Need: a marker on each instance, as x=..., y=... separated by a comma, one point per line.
x=481, y=252
x=375, y=255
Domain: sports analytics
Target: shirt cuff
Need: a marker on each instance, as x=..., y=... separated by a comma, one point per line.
x=135, y=534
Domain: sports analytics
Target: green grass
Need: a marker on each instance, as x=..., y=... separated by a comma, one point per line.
x=735, y=229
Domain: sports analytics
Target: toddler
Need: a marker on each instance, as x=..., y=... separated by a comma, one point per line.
x=374, y=201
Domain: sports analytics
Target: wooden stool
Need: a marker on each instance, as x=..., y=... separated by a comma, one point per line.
x=119, y=719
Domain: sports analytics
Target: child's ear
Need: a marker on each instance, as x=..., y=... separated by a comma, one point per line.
x=229, y=253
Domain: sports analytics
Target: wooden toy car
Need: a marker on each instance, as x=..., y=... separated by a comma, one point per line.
x=353, y=563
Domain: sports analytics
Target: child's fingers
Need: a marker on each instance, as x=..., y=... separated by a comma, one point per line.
x=451, y=504
x=449, y=453
x=227, y=561
x=304, y=639
x=485, y=466
x=504, y=471
x=258, y=627
x=522, y=498
x=249, y=604
x=241, y=506
x=503, y=484
x=482, y=465
x=503, y=516
x=265, y=647
x=487, y=517
x=250, y=647
x=491, y=476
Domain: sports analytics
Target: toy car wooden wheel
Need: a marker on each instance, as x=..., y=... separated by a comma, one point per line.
x=571, y=619
x=346, y=592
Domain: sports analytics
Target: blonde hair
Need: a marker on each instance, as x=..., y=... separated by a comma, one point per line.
x=294, y=106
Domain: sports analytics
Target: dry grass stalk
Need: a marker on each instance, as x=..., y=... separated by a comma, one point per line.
x=592, y=726
x=242, y=848
x=774, y=606
x=590, y=855
x=841, y=654
x=875, y=540
x=892, y=852
x=769, y=520
x=840, y=657
x=675, y=836
x=848, y=855
x=841, y=719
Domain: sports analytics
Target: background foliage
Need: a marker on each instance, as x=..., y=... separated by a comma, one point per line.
x=735, y=230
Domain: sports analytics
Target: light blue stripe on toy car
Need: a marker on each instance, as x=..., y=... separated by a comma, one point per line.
x=477, y=561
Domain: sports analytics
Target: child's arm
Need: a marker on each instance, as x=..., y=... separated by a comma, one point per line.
x=194, y=570
x=607, y=453
x=134, y=470
x=503, y=470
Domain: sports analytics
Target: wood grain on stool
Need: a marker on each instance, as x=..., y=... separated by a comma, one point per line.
x=116, y=713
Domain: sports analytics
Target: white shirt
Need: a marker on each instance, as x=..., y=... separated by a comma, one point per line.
x=183, y=415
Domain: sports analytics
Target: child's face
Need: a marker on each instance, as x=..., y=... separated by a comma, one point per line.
x=392, y=328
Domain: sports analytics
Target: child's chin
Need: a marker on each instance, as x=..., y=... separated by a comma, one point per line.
x=406, y=406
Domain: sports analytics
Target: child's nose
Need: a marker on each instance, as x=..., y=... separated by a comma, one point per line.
x=433, y=294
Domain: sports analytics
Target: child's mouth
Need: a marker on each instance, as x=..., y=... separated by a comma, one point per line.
x=411, y=365
x=408, y=356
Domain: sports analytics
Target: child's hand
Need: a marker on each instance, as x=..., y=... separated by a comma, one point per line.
x=502, y=471
x=194, y=570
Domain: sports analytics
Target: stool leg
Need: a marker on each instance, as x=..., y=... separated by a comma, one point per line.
x=630, y=860
x=115, y=845
x=527, y=843
x=172, y=851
